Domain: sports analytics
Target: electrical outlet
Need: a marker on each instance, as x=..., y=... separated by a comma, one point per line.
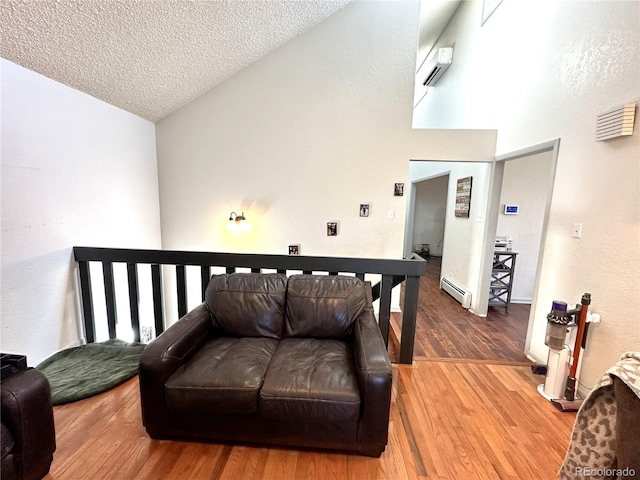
x=391, y=214
x=576, y=232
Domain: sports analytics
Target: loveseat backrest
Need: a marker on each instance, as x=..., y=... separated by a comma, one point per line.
x=322, y=306
x=248, y=304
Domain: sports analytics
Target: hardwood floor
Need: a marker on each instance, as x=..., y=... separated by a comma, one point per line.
x=445, y=330
x=449, y=420
x=466, y=409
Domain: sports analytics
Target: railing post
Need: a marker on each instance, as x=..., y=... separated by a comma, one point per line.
x=410, y=312
x=181, y=285
x=110, y=297
x=205, y=277
x=87, y=302
x=158, y=309
x=134, y=300
x=384, y=314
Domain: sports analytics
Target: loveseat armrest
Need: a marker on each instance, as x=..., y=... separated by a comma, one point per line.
x=374, y=380
x=28, y=414
x=163, y=356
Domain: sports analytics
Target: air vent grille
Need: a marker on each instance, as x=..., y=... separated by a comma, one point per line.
x=615, y=123
x=435, y=74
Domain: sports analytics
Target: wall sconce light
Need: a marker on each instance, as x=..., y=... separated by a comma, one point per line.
x=238, y=223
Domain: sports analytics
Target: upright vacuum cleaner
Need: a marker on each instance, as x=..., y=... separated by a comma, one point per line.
x=563, y=362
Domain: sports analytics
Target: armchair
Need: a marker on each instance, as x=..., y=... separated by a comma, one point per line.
x=28, y=437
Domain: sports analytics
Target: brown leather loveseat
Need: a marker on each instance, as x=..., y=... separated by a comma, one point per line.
x=295, y=361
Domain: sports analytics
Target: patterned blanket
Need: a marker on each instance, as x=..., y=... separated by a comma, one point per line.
x=592, y=449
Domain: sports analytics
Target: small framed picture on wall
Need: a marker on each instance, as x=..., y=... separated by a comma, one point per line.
x=463, y=197
x=332, y=229
x=364, y=209
x=398, y=189
x=294, y=249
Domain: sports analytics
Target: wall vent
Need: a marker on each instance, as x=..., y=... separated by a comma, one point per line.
x=457, y=292
x=615, y=123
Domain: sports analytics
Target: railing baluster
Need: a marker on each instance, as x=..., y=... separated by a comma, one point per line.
x=410, y=312
x=360, y=276
x=205, y=276
x=307, y=272
x=158, y=309
x=110, y=297
x=134, y=300
x=384, y=315
x=375, y=289
x=181, y=285
x=282, y=271
x=255, y=270
x=333, y=273
x=87, y=302
x=231, y=269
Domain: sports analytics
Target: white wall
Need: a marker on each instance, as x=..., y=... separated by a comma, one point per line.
x=75, y=171
x=525, y=184
x=537, y=72
x=430, y=213
x=301, y=138
x=463, y=237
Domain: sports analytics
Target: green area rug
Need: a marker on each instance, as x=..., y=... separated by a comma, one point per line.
x=81, y=372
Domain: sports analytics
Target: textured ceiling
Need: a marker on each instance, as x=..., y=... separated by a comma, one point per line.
x=150, y=57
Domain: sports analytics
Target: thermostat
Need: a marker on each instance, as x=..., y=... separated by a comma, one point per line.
x=511, y=209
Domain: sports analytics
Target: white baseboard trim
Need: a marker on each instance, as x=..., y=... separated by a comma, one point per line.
x=522, y=300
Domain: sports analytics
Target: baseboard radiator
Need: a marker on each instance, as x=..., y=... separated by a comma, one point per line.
x=457, y=292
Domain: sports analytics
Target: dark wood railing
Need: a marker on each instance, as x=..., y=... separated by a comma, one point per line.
x=393, y=273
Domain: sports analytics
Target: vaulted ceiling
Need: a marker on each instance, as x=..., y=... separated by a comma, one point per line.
x=150, y=57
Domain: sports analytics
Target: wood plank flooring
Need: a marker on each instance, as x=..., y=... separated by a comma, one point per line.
x=445, y=330
x=449, y=420
x=466, y=409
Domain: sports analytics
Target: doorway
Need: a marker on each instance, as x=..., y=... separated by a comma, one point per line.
x=524, y=186
x=430, y=210
x=469, y=258
x=547, y=156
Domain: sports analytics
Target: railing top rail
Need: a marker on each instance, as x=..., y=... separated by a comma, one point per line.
x=415, y=266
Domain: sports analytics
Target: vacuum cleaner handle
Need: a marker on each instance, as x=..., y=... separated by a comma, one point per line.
x=570, y=390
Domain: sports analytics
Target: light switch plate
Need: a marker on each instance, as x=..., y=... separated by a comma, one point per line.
x=576, y=232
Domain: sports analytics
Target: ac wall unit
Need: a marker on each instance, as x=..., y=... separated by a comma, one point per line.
x=438, y=65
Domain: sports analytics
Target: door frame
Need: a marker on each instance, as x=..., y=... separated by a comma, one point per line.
x=411, y=211
x=491, y=225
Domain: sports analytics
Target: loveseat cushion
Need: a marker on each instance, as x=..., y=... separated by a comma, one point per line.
x=224, y=376
x=323, y=306
x=311, y=380
x=247, y=304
